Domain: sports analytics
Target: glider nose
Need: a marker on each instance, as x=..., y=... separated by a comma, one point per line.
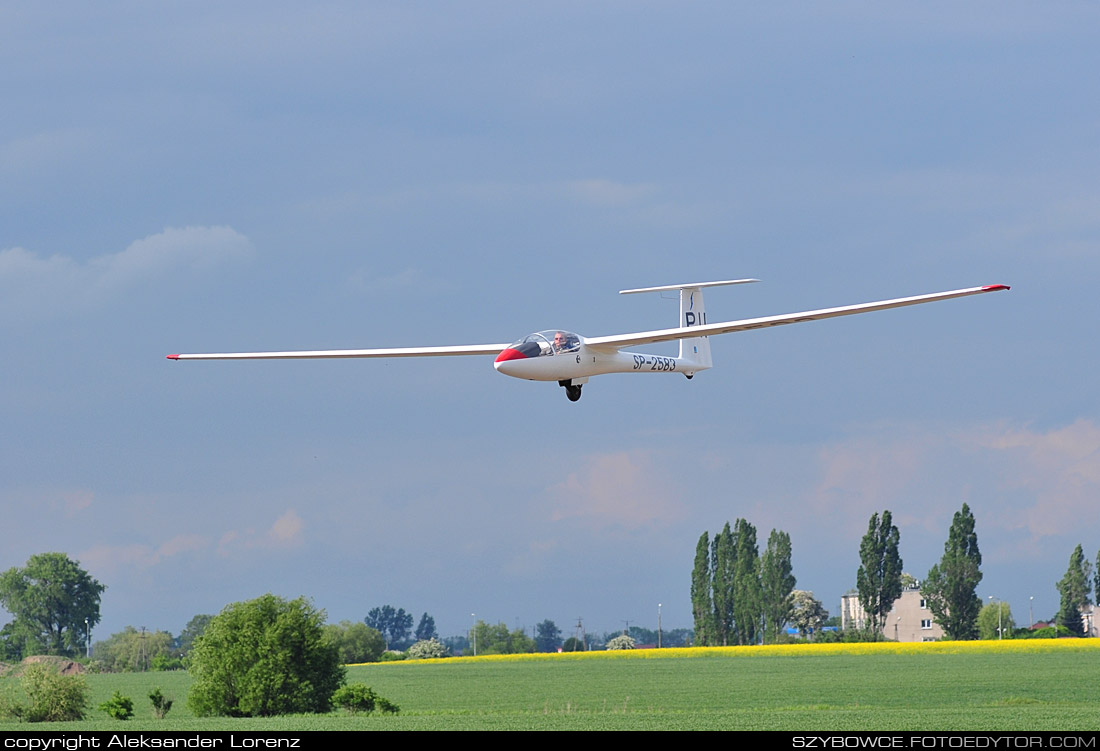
x=510, y=354
x=503, y=363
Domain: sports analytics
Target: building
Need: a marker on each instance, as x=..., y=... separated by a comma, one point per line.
x=908, y=620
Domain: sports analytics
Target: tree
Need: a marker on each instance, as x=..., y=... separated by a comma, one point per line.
x=747, y=599
x=995, y=621
x=622, y=641
x=547, y=636
x=54, y=603
x=264, y=657
x=879, y=577
x=498, y=640
x=808, y=615
x=192, y=631
x=1074, y=589
x=701, y=606
x=356, y=642
x=1096, y=581
x=394, y=625
x=951, y=583
x=723, y=560
x=131, y=650
x=428, y=649
x=425, y=630
x=776, y=583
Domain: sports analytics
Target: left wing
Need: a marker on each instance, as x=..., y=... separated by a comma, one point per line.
x=619, y=341
x=461, y=349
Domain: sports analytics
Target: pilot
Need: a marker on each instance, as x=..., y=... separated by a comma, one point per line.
x=561, y=342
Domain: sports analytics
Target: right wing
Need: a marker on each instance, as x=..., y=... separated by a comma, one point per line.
x=618, y=341
x=461, y=349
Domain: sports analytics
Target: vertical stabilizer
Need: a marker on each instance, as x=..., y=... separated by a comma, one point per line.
x=695, y=351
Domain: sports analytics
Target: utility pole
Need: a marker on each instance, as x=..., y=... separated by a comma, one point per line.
x=579, y=636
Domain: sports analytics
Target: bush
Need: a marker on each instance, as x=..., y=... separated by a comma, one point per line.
x=390, y=656
x=161, y=703
x=623, y=641
x=163, y=662
x=51, y=697
x=359, y=697
x=118, y=706
x=427, y=649
x=264, y=657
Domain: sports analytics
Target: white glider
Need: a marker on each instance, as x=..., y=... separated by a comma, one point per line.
x=571, y=359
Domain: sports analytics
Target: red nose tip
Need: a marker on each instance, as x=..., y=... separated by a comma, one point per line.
x=510, y=354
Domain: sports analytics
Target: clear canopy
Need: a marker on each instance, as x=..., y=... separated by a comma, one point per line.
x=548, y=343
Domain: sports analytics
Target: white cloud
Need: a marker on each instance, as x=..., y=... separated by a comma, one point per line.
x=287, y=529
x=284, y=532
x=1057, y=470
x=617, y=489
x=1039, y=483
x=110, y=558
x=31, y=284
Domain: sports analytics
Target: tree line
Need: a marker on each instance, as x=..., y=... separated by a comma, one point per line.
x=950, y=588
x=739, y=596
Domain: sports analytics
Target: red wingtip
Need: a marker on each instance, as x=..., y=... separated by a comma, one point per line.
x=173, y=357
x=992, y=287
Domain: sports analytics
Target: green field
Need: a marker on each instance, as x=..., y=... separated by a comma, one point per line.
x=1032, y=689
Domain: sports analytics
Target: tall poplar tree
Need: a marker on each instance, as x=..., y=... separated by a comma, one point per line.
x=879, y=577
x=701, y=606
x=950, y=587
x=724, y=552
x=1074, y=589
x=747, y=607
x=776, y=583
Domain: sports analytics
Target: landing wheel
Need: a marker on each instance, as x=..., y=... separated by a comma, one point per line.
x=573, y=392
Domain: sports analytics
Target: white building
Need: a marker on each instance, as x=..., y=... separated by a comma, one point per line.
x=908, y=620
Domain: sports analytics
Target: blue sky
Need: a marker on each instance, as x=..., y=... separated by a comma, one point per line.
x=195, y=177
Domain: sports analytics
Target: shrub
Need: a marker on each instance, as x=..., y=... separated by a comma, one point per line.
x=426, y=650
x=118, y=706
x=390, y=656
x=355, y=698
x=623, y=641
x=264, y=657
x=51, y=697
x=359, y=697
x=162, y=662
x=161, y=703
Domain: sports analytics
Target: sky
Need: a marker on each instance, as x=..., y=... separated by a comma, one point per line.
x=206, y=177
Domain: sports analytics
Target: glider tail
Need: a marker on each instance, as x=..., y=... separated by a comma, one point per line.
x=695, y=352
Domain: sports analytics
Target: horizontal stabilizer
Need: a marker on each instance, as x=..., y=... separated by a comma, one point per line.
x=692, y=285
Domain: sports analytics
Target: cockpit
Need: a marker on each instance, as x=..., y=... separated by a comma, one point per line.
x=547, y=343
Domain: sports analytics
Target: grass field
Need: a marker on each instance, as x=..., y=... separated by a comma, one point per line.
x=1026, y=685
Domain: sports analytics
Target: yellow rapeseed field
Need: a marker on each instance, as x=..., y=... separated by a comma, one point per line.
x=799, y=650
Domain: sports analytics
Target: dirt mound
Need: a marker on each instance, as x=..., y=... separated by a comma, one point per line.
x=64, y=665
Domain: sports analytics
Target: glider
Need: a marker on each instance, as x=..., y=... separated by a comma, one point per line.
x=571, y=359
